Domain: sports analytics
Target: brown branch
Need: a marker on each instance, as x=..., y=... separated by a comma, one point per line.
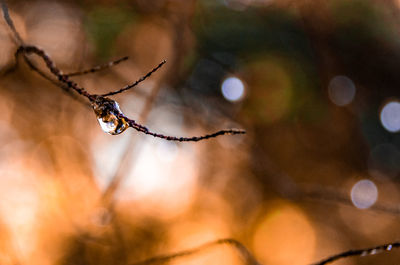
x=6, y=14
x=135, y=83
x=99, y=67
x=144, y=130
x=106, y=109
x=360, y=253
x=246, y=255
x=54, y=70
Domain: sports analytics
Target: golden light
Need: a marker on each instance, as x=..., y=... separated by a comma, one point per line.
x=19, y=202
x=163, y=180
x=57, y=30
x=284, y=236
x=160, y=180
x=191, y=234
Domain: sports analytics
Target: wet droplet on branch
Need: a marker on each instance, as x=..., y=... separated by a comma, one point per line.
x=109, y=115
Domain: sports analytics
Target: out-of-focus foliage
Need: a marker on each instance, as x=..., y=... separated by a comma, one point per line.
x=314, y=83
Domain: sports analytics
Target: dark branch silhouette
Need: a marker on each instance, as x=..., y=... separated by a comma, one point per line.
x=107, y=110
x=99, y=67
x=10, y=23
x=360, y=253
x=246, y=255
x=137, y=82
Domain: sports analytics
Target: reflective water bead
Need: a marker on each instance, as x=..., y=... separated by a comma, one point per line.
x=108, y=115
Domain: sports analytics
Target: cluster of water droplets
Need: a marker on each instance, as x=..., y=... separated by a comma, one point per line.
x=109, y=115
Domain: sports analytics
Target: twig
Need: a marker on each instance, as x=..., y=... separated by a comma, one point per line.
x=247, y=256
x=360, y=252
x=17, y=37
x=98, y=68
x=144, y=130
x=57, y=72
x=63, y=86
x=107, y=110
x=135, y=83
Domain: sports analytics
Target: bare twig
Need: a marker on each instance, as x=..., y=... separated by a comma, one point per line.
x=17, y=37
x=247, y=256
x=98, y=68
x=109, y=109
x=144, y=130
x=135, y=83
x=54, y=70
x=360, y=253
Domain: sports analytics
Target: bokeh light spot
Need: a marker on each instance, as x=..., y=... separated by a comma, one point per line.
x=341, y=90
x=284, y=237
x=364, y=194
x=193, y=233
x=390, y=116
x=232, y=89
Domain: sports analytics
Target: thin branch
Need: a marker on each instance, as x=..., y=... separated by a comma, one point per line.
x=98, y=68
x=17, y=37
x=33, y=67
x=106, y=109
x=247, y=256
x=63, y=86
x=360, y=253
x=144, y=130
x=135, y=83
x=57, y=72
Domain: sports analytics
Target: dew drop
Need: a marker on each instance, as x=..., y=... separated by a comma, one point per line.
x=373, y=251
x=108, y=115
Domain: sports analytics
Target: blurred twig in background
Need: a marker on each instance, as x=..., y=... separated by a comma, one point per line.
x=317, y=91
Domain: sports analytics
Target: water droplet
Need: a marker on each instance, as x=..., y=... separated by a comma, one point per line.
x=373, y=251
x=389, y=248
x=109, y=115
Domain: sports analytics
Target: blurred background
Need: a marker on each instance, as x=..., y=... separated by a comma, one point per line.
x=314, y=83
